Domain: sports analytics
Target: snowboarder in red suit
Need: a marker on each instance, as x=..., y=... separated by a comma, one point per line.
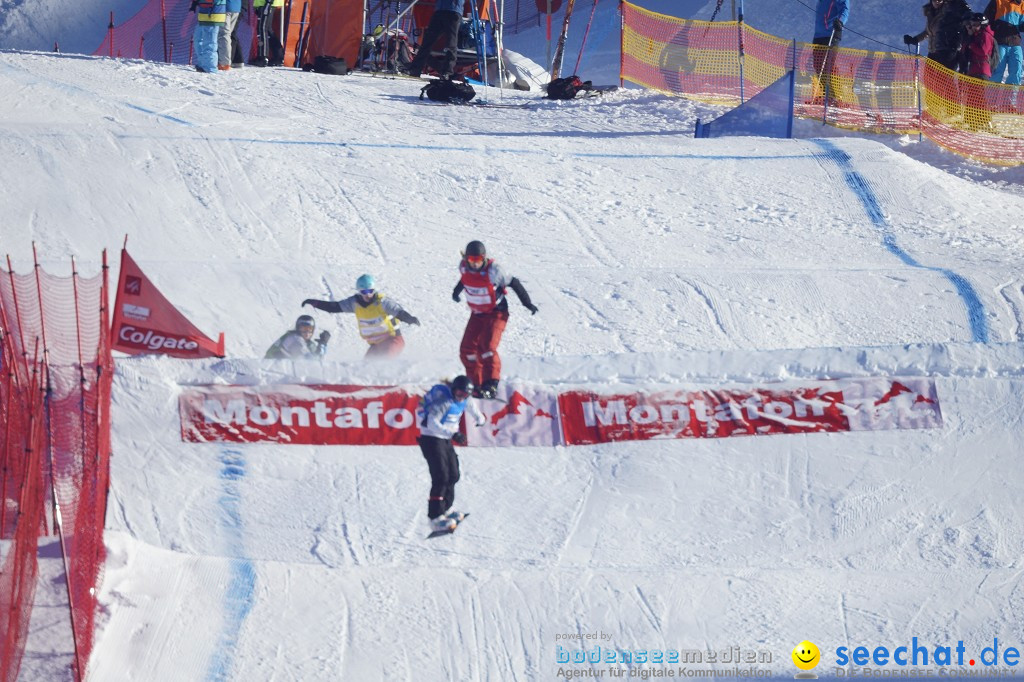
x=484, y=284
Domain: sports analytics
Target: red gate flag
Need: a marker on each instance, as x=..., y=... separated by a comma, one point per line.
x=146, y=322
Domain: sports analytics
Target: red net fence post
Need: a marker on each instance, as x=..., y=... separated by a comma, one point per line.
x=67, y=426
x=874, y=92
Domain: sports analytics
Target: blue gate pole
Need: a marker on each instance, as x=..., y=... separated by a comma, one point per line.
x=792, y=93
x=917, y=86
x=739, y=28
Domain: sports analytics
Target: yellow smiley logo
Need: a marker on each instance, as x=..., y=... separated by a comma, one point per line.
x=806, y=655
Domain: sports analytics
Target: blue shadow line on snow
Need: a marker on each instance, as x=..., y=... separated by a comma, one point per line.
x=158, y=114
x=74, y=89
x=859, y=185
x=501, y=150
x=240, y=595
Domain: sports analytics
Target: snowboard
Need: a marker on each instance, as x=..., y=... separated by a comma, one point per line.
x=439, y=533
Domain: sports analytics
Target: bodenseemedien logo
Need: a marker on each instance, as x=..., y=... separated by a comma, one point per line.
x=806, y=656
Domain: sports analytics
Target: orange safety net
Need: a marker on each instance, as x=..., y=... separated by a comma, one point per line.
x=877, y=92
x=55, y=341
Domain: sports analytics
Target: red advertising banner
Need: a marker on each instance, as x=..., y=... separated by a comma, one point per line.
x=537, y=416
x=853, y=405
x=302, y=415
x=523, y=415
x=145, y=322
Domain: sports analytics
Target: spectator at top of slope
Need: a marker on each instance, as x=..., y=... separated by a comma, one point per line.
x=1005, y=18
x=944, y=31
x=446, y=21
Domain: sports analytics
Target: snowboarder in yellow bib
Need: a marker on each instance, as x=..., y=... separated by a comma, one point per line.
x=378, y=317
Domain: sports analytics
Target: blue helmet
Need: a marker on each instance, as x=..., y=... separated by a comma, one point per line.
x=366, y=283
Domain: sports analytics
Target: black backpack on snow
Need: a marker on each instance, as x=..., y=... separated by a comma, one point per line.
x=447, y=90
x=567, y=88
x=334, y=66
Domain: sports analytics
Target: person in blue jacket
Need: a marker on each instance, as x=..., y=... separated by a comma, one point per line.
x=233, y=10
x=446, y=21
x=210, y=16
x=829, y=20
x=439, y=415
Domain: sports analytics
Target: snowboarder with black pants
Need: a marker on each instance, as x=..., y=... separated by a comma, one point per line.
x=439, y=416
x=446, y=21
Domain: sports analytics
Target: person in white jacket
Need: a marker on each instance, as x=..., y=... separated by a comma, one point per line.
x=439, y=417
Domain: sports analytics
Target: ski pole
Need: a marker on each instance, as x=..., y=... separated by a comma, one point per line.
x=821, y=74
x=586, y=33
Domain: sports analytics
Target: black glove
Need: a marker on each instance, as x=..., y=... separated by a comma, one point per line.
x=532, y=308
x=306, y=302
x=193, y=7
x=837, y=26
x=325, y=336
x=909, y=40
x=414, y=320
x=455, y=294
x=459, y=438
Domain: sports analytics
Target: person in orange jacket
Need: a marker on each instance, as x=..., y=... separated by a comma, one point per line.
x=484, y=284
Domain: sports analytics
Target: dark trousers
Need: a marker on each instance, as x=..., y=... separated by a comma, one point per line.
x=479, y=348
x=444, y=473
x=443, y=23
x=948, y=58
x=267, y=45
x=824, y=65
x=237, y=58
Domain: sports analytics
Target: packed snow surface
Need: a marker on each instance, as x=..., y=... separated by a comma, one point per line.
x=656, y=260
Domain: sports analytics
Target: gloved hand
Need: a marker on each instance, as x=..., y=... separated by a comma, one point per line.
x=325, y=336
x=482, y=421
x=459, y=438
x=414, y=320
x=455, y=295
x=193, y=7
x=306, y=302
x=909, y=40
x=532, y=308
x=837, y=26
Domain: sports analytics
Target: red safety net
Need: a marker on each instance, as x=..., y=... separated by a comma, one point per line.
x=162, y=32
x=21, y=414
x=879, y=92
x=55, y=404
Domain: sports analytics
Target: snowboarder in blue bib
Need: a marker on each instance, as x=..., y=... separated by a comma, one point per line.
x=438, y=416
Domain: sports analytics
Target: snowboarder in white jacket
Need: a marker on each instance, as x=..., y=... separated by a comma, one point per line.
x=298, y=343
x=439, y=417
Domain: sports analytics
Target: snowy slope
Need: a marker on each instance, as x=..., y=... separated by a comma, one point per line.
x=656, y=260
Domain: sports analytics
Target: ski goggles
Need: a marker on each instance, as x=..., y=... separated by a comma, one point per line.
x=475, y=260
x=367, y=292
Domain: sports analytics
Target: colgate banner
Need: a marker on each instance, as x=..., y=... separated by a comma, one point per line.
x=853, y=405
x=146, y=322
x=303, y=415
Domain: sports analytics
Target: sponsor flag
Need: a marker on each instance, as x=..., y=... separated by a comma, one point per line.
x=146, y=323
